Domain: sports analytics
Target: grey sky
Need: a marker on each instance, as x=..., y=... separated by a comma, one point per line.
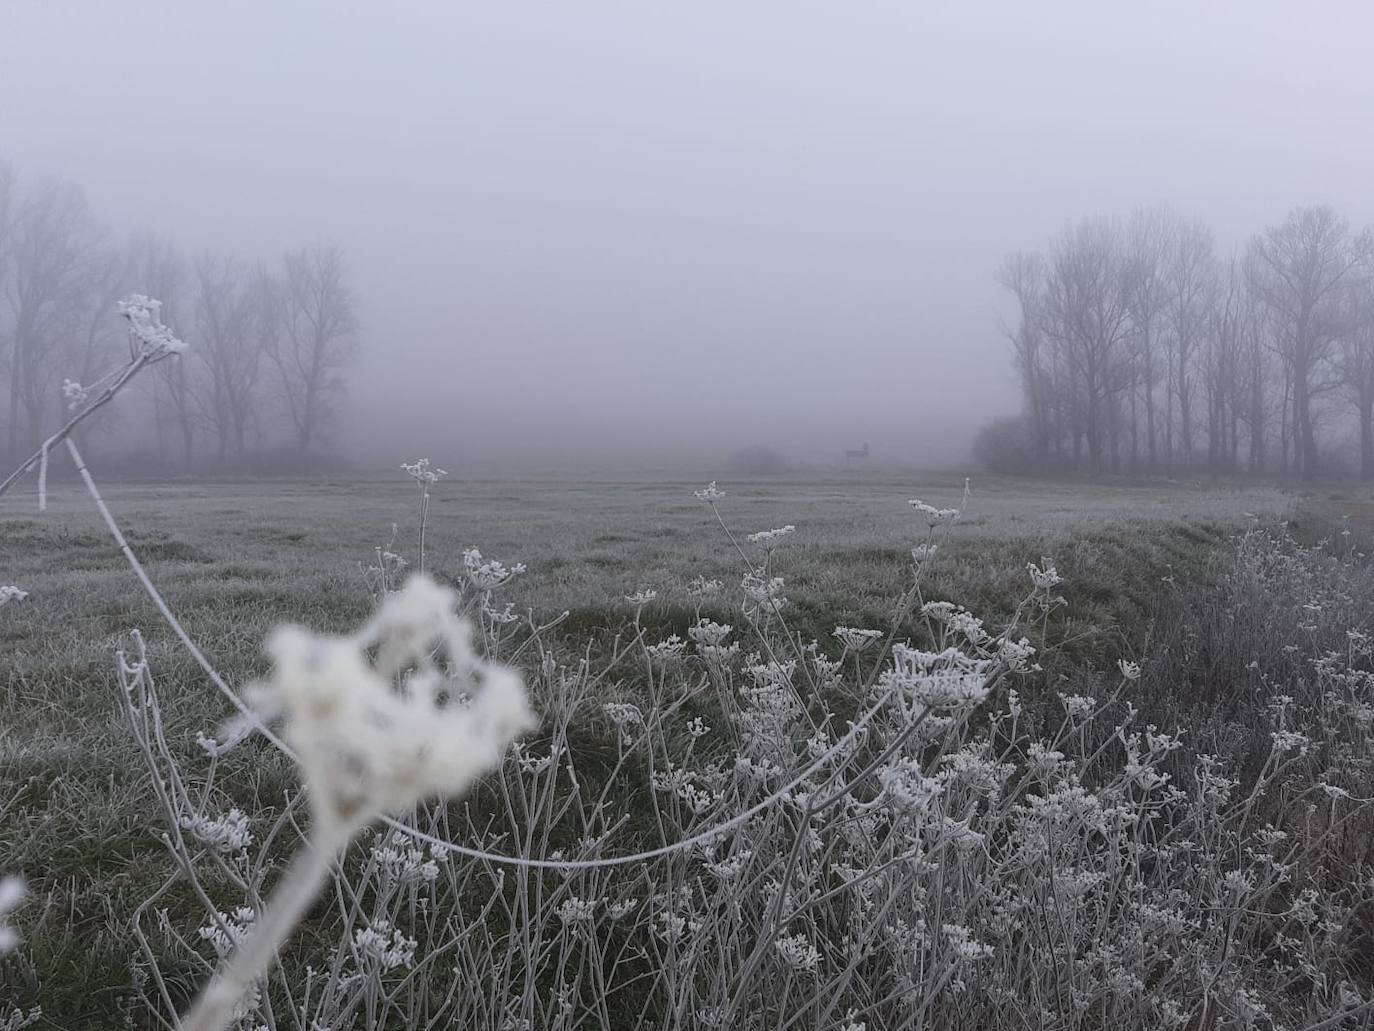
x=624, y=231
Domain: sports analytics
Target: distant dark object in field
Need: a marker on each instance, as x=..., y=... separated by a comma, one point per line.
x=758, y=461
x=859, y=455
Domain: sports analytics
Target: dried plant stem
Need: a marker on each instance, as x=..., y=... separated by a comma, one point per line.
x=107, y=395
x=214, y=1010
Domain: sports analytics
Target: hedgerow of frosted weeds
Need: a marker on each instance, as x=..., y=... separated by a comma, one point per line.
x=883, y=831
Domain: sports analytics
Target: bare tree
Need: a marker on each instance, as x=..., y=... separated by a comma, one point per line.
x=1301, y=270
x=1357, y=367
x=1087, y=305
x=1023, y=273
x=1151, y=236
x=52, y=238
x=315, y=307
x=1190, y=278
x=230, y=309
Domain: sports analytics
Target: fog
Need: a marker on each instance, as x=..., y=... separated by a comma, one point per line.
x=602, y=235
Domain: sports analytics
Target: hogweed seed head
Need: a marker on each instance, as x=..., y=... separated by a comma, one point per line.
x=423, y=719
x=147, y=335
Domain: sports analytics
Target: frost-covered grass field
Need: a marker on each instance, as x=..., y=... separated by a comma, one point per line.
x=1045, y=851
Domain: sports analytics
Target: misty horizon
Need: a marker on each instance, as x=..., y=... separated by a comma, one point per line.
x=697, y=226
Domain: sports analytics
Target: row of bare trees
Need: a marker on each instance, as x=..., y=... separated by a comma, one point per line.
x=1141, y=350
x=270, y=342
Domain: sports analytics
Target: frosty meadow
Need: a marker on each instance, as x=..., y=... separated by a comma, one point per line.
x=798, y=754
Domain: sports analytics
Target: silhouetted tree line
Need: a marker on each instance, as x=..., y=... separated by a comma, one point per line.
x=1140, y=350
x=269, y=342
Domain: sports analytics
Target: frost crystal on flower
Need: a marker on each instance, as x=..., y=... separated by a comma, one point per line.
x=665, y=651
x=74, y=394
x=708, y=634
x=710, y=493
x=228, y=931
x=624, y=714
x=387, y=946
x=798, y=952
x=228, y=834
x=147, y=334
x=770, y=539
x=856, y=640
x=701, y=587
x=948, y=679
x=641, y=597
x=763, y=594
x=422, y=472
x=932, y=515
x=1044, y=579
x=406, y=865
x=1129, y=670
x=577, y=911
x=924, y=552
x=9, y=593
x=425, y=718
x=488, y=575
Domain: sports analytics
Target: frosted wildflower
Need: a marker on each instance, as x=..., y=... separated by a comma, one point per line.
x=1015, y=653
x=961, y=834
x=947, y=679
x=940, y=611
x=856, y=640
x=501, y=617
x=697, y=727
x=668, y=650
x=962, y=941
x=227, y=834
x=906, y=788
x=11, y=894
x=385, y=946
x=228, y=931
x=422, y=719
x=1043, y=760
x=1078, y=706
x=641, y=597
x=407, y=865
x=932, y=515
x=423, y=473
x=763, y=593
x=576, y=911
x=770, y=539
x=1044, y=579
x=490, y=574
x=1290, y=741
x=10, y=593
x=708, y=634
x=966, y=623
x=1129, y=670
x=719, y=654
x=621, y=908
x=924, y=552
x=148, y=337
x=530, y=763
x=74, y=394
x=852, y=1022
x=798, y=952
x=702, y=587
x=624, y=714
x=729, y=869
x=710, y=493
